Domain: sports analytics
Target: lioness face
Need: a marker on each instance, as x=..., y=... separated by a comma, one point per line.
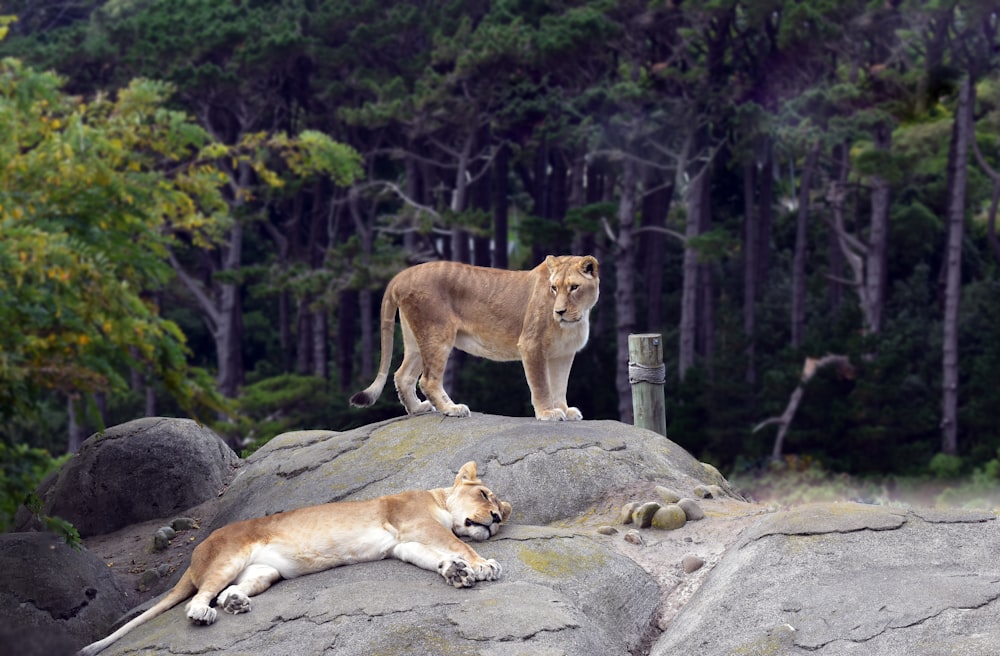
x=574, y=284
x=476, y=512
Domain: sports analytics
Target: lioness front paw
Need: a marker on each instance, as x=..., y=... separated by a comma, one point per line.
x=489, y=571
x=573, y=414
x=555, y=414
x=457, y=573
x=234, y=601
x=201, y=614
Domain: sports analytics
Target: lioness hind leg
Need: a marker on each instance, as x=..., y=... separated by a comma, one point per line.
x=408, y=373
x=252, y=581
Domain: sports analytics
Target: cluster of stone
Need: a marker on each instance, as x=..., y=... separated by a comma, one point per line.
x=672, y=511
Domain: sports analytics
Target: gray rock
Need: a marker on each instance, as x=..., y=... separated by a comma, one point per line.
x=834, y=579
x=53, y=598
x=642, y=516
x=691, y=509
x=547, y=470
x=561, y=592
x=692, y=563
x=669, y=517
x=162, y=537
x=625, y=517
x=666, y=495
x=144, y=469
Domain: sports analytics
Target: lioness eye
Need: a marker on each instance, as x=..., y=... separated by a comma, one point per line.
x=573, y=288
x=485, y=496
x=553, y=289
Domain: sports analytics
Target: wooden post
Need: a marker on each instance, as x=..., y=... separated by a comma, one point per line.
x=647, y=375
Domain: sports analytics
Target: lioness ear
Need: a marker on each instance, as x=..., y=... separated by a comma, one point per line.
x=589, y=266
x=551, y=262
x=467, y=475
x=505, y=510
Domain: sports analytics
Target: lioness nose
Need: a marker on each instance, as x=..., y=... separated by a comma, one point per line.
x=496, y=518
x=561, y=312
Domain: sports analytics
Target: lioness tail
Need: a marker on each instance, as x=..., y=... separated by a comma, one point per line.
x=370, y=394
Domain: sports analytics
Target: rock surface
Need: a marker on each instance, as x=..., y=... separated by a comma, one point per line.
x=828, y=579
x=136, y=471
x=850, y=579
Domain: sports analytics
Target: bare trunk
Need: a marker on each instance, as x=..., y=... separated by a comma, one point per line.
x=765, y=202
x=835, y=285
x=801, y=248
x=75, y=429
x=750, y=264
x=500, y=208
x=878, y=239
x=320, y=350
x=706, y=290
x=347, y=315
x=689, y=289
x=956, y=225
x=625, y=285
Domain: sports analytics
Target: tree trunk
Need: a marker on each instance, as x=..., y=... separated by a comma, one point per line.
x=689, y=288
x=878, y=238
x=750, y=264
x=625, y=284
x=961, y=136
x=706, y=290
x=835, y=284
x=765, y=204
x=656, y=207
x=500, y=207
x=801, y=248
x=347, y=314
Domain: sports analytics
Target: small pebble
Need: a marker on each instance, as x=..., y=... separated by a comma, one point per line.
x=691, y=509
x=702, y=492
x=162, y=538
x=633, y=536
x=148, y=578
x=184, y=523
x=692, y=563
x=642, y=517
x=607, y=530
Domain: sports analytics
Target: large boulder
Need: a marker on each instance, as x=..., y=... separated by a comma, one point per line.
x=846, y=578
x=53, y=598
x=139, y=470
x=547, y=471
x=564, y=590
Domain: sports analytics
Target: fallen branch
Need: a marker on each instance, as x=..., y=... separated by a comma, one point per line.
x=844, y=368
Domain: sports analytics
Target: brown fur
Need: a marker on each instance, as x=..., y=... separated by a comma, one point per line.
x=420, y=527
x=540, y=317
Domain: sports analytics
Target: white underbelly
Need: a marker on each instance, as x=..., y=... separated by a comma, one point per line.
x=493, y=351
x=292, y=560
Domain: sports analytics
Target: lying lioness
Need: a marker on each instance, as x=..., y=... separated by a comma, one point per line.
x=419, y=527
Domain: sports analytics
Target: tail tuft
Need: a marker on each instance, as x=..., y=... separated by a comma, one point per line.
x=362, y=399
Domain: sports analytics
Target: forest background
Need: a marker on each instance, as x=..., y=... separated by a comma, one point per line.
x=201, y=202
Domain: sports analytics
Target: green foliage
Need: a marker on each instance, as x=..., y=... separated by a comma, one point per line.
x=22, y=469
x=279, y=404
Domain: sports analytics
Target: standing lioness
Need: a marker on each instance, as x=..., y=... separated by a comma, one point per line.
x=540, y=317
x=420, y=527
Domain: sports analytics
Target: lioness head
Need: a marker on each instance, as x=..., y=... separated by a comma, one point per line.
x=476, y=512
x=575, y=285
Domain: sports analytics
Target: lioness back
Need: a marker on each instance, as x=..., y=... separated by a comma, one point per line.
x=540, y=317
